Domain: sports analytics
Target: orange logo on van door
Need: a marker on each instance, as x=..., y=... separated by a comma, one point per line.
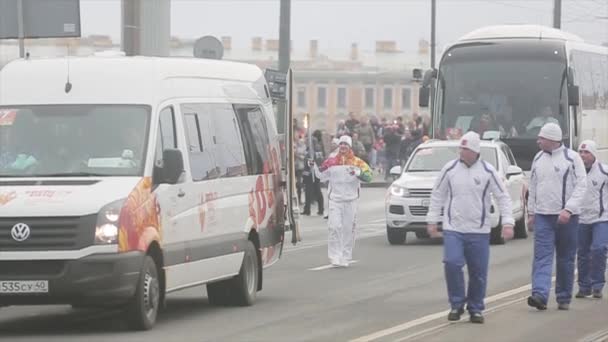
x=139, y=218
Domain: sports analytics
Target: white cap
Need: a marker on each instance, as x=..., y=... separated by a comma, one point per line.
x=551, y=131
x=589, y=146
x=346, y=140
x=470, y=141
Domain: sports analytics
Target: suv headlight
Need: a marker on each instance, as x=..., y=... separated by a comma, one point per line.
x=399, y=191
x=106, y=229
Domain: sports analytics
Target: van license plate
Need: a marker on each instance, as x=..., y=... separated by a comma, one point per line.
x=30, y=286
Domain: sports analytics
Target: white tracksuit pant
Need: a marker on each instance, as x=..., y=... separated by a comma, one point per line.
x=342, y=222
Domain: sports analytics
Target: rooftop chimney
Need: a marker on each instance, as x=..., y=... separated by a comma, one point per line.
x=386, y=46
x=227, y=42
x=256, y=44
x=314, y=49
x=272, y=44
x=354, y=52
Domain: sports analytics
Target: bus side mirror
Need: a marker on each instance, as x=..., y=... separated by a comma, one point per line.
x=573, y=95
x=423, y=96
x=428, y=78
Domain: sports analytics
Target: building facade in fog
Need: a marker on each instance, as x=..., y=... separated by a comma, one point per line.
x=329, y=83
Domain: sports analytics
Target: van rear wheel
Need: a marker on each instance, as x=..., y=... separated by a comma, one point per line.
x=242, y=289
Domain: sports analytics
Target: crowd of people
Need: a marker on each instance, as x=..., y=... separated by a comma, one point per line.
x=380, y=142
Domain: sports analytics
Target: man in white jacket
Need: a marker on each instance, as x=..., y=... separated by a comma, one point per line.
x=593, y=225
x=344, y=172
x=463, y=189
x=557, y=186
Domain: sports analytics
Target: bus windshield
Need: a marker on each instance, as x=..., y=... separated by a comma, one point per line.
x=507, y=90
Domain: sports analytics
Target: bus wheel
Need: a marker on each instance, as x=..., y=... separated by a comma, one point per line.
x=143, y=308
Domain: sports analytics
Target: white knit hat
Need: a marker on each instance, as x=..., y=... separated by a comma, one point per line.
x=589, y=146
x=551, y=131
x=470, y=141
x=346, y=140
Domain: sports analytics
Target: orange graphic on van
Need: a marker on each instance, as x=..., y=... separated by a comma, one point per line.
x=206, y=209
x=7, y=197
x=139, y=218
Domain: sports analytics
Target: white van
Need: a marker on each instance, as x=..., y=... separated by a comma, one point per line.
x=125, y=178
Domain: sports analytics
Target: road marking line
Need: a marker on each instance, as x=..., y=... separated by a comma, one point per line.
x=326, y=267
x=324, y=243
x=464, y=319
x=429, y=318
x=596, y=337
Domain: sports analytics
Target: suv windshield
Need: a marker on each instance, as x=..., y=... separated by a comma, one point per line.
x=429, y=159
x=73, y=140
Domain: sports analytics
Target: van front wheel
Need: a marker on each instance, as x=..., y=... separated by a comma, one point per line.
x=143, y=308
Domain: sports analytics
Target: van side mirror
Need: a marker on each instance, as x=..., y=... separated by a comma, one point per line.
x=573, y=95
x=423, y=96
x=173, y=166
x=513, y=170
x=395, y=170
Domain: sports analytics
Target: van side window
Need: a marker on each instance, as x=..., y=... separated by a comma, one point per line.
x=255, y=137
x=226, y=136
x=198, y=124
x=166, y=135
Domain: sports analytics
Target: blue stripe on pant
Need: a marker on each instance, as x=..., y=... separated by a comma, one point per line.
x=592, y=247
x=549, y=238
x=474, y=250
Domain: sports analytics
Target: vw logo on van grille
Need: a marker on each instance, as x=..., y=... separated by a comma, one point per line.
x=20, y=232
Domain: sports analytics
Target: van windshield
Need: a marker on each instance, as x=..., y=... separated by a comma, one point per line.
x=73, y=140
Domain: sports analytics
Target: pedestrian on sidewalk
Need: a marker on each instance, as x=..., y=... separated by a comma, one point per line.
x=344, y=172
x=463, y=190
x=558, y=184
x=593, y=227
x=312, y=184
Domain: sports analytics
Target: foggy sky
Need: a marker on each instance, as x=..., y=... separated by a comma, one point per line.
x=338, y=23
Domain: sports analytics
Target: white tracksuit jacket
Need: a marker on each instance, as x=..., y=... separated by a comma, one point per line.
x=595, y=203
x=557, y=181
x=464, y=194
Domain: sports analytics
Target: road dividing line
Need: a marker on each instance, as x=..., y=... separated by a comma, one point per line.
x=326, y=267
x=429, y=318
x=464, y=319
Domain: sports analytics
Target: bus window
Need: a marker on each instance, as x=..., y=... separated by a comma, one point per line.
x=482, y=90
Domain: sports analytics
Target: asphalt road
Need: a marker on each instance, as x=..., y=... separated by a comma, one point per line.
x=392, y=293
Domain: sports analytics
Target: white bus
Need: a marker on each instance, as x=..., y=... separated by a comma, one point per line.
x=507, y=81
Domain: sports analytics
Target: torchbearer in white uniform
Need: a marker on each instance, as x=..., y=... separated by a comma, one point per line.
x=345, y=172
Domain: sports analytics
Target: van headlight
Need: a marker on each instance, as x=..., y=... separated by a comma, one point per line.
x=399, y=191
x=106, y=229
